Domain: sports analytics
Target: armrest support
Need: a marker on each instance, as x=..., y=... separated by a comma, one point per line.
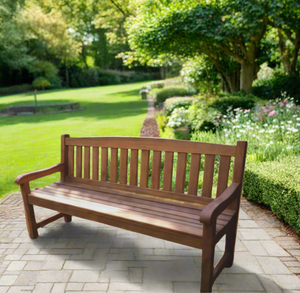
x=24, y=178
x=217, y=206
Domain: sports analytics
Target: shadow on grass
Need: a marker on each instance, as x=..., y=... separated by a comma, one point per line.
x=94, y=110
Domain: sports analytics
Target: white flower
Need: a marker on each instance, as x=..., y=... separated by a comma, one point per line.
x=261, y=131
x=290, y=121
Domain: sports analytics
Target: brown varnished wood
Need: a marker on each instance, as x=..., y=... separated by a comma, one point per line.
x=123, y=166
x=144, y=168
x=155, y=178
x=79, y=161
x=104, y=164
x=187, y=219
x=114, y=165
x=64, y=156
x=180, y=172
x=194, y=174
x=141, y=203
x=71, y=160
x=25, y=178
x=95, y=164
x=48, y=220
x=29, y=212
x=140, y=190
x=134, y=161
x=208, y=176
x=223, y=174
x=87, y=162
x=155, y=144
x=168, y=171
x=127, y=224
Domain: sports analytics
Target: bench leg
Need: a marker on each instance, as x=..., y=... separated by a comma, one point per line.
x=29, y=213
x=208, y=254
x=68, y=218
x=230, y=244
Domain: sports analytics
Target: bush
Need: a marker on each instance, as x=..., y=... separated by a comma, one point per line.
x=16, y=89
x=201, y=75
x=173, y=103
x=162, y=94
x=276, y=185
x=273, y=88
x=41, y=83
x=107, y=78
x=224, y=103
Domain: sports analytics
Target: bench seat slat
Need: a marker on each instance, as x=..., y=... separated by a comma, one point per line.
x=135, y=201
x=160, y=215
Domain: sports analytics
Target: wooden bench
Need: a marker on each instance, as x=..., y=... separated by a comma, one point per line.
x=117, y=190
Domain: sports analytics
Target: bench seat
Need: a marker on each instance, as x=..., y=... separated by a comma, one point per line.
x=120, y=209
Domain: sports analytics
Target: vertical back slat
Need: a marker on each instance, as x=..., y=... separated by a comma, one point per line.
x=114, y=165
x=71, y=160
x=87, y=162
x=104, y=164
x=95, y=166
x=155, y=180
x=223, y=174
x=194, y=174
x=79, y=161
x=208, y=177
x=144, y=168
x=134, y=160
x=168, y=171
x=123, y=166
x=180, y=172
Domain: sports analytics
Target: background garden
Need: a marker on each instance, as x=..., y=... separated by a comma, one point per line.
x=232, y=69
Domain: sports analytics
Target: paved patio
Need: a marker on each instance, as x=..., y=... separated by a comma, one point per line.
x=84, y=256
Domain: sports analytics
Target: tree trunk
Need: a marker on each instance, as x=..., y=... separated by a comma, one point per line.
x=67, y=77
x=248, y=75
x=284, y=53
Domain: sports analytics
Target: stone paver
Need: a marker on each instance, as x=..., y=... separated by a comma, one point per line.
x=83, y=256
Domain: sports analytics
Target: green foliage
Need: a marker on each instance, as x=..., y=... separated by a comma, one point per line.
x=43, y=68
x=280, y=84
x=173, y=103
x=276, y=185
x=16, y=89
x=41, y=83
x=224, y=103
x=201, y=75
x=162, y=94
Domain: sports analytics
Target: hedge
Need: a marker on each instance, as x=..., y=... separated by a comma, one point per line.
x=177, y=102
x=276, y=185
x=162, y=94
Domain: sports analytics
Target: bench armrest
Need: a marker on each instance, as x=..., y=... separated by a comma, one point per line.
x=211, y=212
x=38, y=174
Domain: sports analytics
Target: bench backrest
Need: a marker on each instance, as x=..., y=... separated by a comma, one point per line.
x=127, y=161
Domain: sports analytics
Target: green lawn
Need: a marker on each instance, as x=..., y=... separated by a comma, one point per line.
x=32, y=142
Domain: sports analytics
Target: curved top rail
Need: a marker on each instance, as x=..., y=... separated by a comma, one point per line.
x=154, y=144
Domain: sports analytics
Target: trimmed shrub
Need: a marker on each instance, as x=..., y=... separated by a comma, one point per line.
x=276, y=185
x=243, y=102
x=176, y=102
x=275, y=87
x=16, y=89
x=107, y=78
x=41, y=83
x=162, y=94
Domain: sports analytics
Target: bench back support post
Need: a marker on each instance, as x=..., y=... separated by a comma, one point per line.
x=64, y=156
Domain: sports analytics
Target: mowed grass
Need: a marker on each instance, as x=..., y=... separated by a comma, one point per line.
x=29, y=143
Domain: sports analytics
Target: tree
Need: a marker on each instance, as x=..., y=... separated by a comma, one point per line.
x=187, y=28
x=287, y=23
